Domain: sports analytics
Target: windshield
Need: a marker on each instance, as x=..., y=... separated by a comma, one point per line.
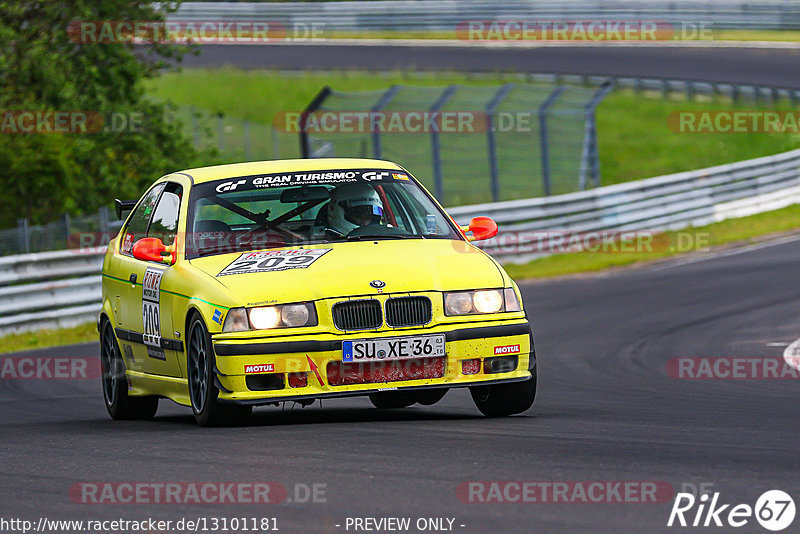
x=300, y=208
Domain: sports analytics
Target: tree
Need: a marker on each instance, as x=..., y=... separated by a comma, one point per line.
x=44, y=68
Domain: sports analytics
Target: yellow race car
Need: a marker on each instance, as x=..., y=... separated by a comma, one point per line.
x=259, y=283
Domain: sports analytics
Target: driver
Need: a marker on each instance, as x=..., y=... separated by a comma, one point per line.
x=353, y=206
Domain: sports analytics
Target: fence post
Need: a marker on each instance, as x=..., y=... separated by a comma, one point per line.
x=383, y=101
x=102, y=217
x=314, y=105
x=590, y=158
x=195, y=133
x=543, y=142
x=438, y=181
x=24, y=237
x=491, y=107
x=220, y=133
x=67, y=223
x=246, y=128
x=276, y=144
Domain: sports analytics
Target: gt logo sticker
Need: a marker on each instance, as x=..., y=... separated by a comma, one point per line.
x=229, y=186
x=374, y=175
x=263, y=368
x=506, y=349
x=273, y=260
x=151, y=316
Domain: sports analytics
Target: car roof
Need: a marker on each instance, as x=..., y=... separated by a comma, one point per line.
x=217, y=172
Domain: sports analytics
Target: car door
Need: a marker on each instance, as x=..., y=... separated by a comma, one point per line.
x=127, y=281
x=145, y=326
x=160, y=348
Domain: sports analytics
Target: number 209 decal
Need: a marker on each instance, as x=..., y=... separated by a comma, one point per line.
x=273, y=260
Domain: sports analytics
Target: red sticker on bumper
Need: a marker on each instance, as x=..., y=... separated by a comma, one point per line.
x=506, y=349
x=263, y=368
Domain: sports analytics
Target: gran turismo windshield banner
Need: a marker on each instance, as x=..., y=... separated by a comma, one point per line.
x=325, y=177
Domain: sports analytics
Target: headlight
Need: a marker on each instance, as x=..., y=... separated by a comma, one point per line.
x=488, y=301
x=480, y=302
x=264, y=318
x=267, y=317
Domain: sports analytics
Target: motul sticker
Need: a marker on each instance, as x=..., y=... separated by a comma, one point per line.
x=255, y=369
x=506, y=349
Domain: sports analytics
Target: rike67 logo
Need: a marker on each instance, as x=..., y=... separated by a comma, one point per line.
x=774, y=510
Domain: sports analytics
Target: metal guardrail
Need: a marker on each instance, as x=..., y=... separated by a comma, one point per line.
x=671, y=202
x=50, y=289
x=62, y=288
x=445, y=15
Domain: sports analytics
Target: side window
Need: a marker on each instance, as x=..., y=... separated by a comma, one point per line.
x=165, y=218
x=137, y=224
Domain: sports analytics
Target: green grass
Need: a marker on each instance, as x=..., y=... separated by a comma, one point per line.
x=739, y=230
x=48, y=338
x=633, y=134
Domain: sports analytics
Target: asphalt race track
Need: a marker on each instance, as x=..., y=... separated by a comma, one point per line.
x=775, y=67
x=607, y=411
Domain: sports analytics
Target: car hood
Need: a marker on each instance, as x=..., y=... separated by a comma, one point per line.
x=346, y=269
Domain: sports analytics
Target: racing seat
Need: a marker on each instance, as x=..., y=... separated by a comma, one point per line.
x=213, y=234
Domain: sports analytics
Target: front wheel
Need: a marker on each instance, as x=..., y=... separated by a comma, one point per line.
x=115, y=384
x=499, y=400
x=203, y=392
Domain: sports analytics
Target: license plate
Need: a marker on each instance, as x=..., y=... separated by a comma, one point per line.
x=393, y=348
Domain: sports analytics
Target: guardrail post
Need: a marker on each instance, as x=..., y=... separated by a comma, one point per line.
x=491, y=107
x=435, y=143
x=305, y=145
x=24, y=237
x=544, y=145
x=383, y=101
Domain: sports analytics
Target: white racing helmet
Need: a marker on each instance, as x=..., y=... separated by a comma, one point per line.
x=353, y=206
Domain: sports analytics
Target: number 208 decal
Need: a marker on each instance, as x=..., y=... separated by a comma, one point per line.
x=273, y=260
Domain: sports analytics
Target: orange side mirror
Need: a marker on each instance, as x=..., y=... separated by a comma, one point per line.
x=152, y=249
x=481, y=228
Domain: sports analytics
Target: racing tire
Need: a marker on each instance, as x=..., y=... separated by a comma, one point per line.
x=201, y=375
x=119, y=404
x=390, y=400
x=429, y=397
x=500, y=400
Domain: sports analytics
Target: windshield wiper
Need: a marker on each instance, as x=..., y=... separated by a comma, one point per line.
x=383, y=236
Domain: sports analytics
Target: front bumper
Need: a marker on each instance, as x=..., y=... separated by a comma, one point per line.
x=276, y=359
